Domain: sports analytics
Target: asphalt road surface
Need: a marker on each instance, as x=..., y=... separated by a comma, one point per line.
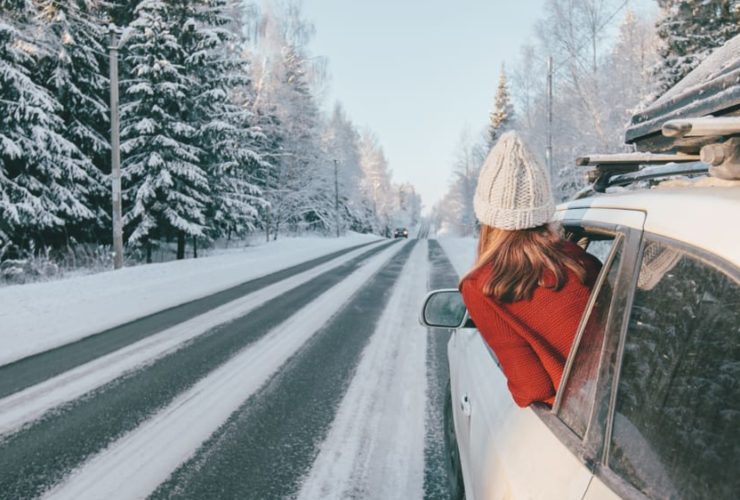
x=312, y=382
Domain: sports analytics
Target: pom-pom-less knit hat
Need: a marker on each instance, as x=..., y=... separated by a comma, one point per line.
x=513, y=189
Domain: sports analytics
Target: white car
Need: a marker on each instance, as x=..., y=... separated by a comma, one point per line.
x=649, y=402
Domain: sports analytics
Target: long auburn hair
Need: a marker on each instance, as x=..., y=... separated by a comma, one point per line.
x=520, y=260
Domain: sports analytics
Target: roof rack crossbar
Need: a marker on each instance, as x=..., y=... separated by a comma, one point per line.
x=636, y=159
x=702, y=127
x=656, y=172
x=610, y=166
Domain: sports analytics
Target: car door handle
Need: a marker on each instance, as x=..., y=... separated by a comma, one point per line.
x=465, y=405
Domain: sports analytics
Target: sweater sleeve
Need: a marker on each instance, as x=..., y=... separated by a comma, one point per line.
x=527, y=379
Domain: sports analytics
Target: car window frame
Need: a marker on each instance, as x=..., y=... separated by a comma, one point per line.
x=589, y=449
x=602, y=471
x=617, y=243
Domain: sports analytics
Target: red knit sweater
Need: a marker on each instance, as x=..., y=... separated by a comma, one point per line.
x=532, y=338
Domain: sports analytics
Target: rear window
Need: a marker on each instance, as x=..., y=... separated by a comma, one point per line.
x=676, y=431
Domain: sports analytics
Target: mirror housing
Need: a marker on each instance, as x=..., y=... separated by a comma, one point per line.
x=445, y=309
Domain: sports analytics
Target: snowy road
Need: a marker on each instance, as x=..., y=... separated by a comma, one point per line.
x=315, y=381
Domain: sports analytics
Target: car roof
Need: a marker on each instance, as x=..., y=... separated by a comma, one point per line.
x=703, y=217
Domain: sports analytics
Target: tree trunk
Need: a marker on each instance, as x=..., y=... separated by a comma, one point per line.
x=180, y=245
x=195, y=247
x=148, y=252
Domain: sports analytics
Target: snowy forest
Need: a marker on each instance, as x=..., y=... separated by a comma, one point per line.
x=609, y=61
x=222, y=131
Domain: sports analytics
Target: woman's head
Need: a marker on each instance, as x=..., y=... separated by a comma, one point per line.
x=513, y=189
x=514, y=205
x=523, y=259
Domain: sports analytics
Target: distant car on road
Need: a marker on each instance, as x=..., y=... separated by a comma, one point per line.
x=401, y=232
x=647, y=405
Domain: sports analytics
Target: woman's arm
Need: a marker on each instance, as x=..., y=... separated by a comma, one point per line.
x=528, y=381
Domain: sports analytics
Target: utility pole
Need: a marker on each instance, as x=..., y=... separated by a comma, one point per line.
x=548, y=151
x=115, y=150
x=336, y=195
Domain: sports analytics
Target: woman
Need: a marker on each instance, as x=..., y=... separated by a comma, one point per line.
x=529, y=287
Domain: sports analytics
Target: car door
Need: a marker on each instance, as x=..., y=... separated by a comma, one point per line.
x=458, y=349
x=673, y=423
x=531, y=453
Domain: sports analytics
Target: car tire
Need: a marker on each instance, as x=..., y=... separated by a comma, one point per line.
x=454, y=467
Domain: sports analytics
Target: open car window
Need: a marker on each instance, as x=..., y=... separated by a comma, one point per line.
x=578, y=386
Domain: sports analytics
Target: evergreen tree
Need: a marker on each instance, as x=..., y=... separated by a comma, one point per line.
x=688, y=31
x=304, y=191
x=165, y=188
x=502, y=116
x=73, y=69
x=119, y=12
x=44, y=179
x=341, y=145
x=376, y=183
x=219, y=74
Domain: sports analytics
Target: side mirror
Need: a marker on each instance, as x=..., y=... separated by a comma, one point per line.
x=445, y=309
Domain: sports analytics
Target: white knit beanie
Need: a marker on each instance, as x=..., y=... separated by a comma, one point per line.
x=513, y=189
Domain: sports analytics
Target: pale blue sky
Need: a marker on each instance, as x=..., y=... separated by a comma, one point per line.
x=418, y=71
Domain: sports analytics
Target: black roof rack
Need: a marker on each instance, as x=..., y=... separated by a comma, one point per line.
x=624, y=168
x=659, y=171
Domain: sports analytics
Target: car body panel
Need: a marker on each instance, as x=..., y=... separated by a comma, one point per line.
x=620, y=216
x=521, y=457
x=597, y=490
x=703, y=211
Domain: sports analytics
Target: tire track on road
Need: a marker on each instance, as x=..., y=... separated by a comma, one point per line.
x=35, y=369
x=442, y=275
x=266, y=447
x=39, y=456
x=375, y=447
x=27, y=405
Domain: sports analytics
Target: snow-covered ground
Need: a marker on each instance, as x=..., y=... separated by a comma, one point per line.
x=375, y=447
x=29, y=404
x=40, y=316
x=156, y=448
x=460, y=251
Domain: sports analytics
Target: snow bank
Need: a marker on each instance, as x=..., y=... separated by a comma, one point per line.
x=461, y=252
x=40, y=316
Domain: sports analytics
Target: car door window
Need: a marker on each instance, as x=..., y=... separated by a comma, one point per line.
x=579, y=384
x=676, y=426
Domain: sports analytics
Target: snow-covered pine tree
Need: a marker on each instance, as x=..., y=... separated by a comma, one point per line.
x=44, y=180
x=688, y=31
x=218, y=73
x=304, y=194
x=74, y=70
x=300, y=187
x=627, y=84
x=376, y=184
x=119, y=12
x=166, y=191
x=502, y=116
x=341, y=145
